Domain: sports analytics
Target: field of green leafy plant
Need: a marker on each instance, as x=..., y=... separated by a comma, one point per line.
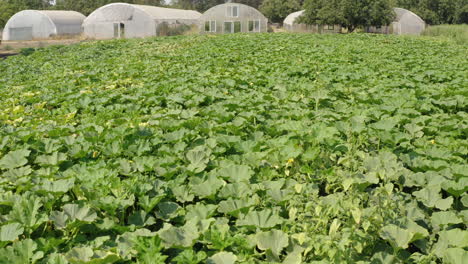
x=267, y=148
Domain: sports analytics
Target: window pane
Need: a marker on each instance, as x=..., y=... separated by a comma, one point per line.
x=235, y=11
x=237, y=26
x=251, y=26
x=257, y=26
x=227, y=27
x=207, y=26
x=213, y=26
x=229, y=11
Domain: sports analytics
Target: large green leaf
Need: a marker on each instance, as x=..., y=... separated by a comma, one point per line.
x=397, y=236
x=59, y=186
x=236, y=173
x=80, y=255
x=234, y=205
x=222, y=258
x=21, y=252
x=274, y=240
x=262, y=219
x=431, y=197
x=59, y=218
x=198, y=158
x=52, y=159
x=200, y=211
x=14, y=159
x=79, y=212
x=141, y=218
x=178, y=236
x=26, y=211
x=454, y=237
x=455, y=256
x=167, y=210
x=10, y=232
x=440, y=219
x=55, y=258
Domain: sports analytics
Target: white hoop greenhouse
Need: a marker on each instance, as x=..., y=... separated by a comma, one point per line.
x=405, y=23
x=38, y=24
x=291, y=24
x=120, y=20
x=232, y=18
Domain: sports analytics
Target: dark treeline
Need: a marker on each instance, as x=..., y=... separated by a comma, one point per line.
x=347, y=12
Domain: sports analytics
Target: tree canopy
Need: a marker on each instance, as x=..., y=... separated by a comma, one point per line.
x=437, y=11
x=350, y=14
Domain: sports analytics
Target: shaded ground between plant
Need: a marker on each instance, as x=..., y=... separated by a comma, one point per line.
x=7, y=47
x=4, y=55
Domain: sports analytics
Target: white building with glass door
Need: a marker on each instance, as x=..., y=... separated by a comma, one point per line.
x=121, y=20
x=232, y=18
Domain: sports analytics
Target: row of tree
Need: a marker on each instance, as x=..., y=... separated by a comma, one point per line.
x=348, y=13
x=437, y=11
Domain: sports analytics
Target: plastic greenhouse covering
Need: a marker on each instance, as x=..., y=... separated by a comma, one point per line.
x=36, y=24
x=232, y=18
x=122, y=20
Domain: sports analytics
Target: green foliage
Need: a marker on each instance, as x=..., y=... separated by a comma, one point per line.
x=436, y=12
x=457, y=33
x=350, y=14
x=9, y=7
x=27, y=51
x=222, y=258
x=265, y=148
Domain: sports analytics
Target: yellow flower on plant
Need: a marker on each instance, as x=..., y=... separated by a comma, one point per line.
x=290, y=161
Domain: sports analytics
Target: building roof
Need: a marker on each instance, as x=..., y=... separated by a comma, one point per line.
x=169, y=13
x=124, y=11
x=402, y=13
x=63, y=17
x=243, y=6
x=57, y=17
x=291, y=18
